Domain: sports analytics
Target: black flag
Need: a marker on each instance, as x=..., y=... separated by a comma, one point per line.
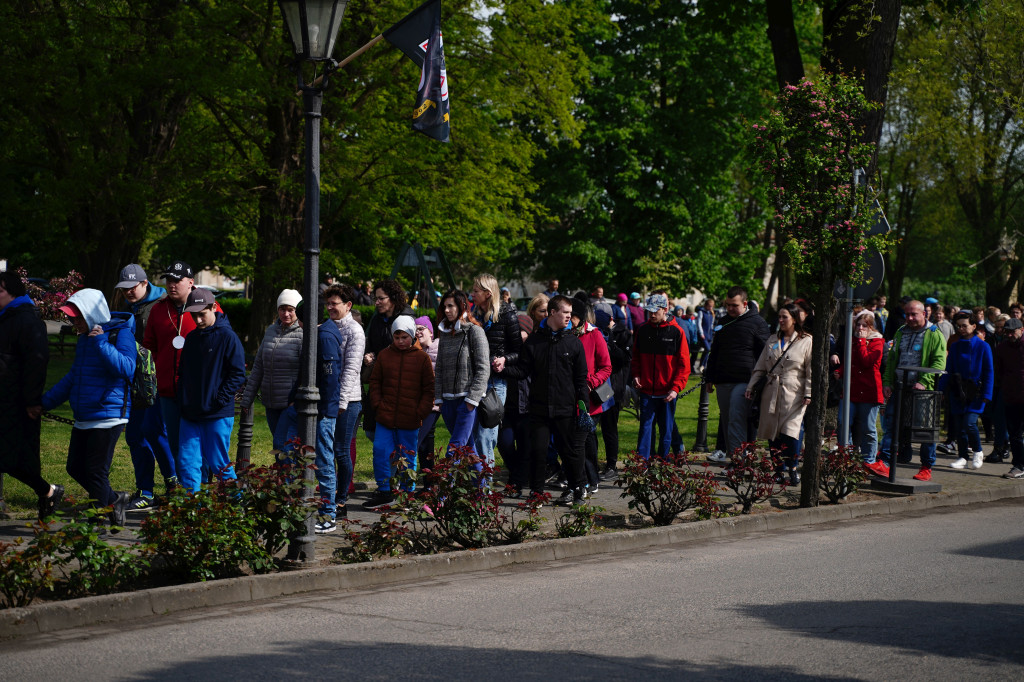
x=418, y=35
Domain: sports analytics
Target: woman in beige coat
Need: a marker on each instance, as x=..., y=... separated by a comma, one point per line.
x=788, y=391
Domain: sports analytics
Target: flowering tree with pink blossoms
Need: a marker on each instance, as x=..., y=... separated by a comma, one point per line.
x=809, y=147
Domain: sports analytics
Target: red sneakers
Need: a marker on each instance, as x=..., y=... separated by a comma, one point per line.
x=924, y=475
x=878, y=468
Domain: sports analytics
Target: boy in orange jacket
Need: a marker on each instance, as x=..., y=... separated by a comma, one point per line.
x=402, y=395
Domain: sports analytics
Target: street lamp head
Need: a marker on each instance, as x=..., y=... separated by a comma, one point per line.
x=313, y=25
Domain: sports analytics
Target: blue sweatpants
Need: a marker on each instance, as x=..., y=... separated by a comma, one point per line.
x=205, y=442
x=388, y=446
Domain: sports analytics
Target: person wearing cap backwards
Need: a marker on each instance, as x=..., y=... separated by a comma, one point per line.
x=210, y=372
x=402, y=395
x=99, y=390
x=164, y=336
x=145, y=434
x=275, y=370
x=24, y=354
x=660, y=369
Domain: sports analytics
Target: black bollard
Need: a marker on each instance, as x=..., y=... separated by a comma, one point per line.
x=243, y=460
x=703, y=410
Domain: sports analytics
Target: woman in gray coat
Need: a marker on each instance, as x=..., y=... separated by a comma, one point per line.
x=462, y=369
x=276, y=368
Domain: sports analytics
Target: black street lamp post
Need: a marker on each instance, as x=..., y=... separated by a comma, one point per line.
x=313, y=25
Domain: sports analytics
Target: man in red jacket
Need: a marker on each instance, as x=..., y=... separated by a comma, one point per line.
x=165, y=334
x=660, y=369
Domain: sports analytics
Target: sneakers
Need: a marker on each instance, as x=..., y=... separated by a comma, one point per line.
x=170, y=485
x=513, y=492
x=923, y=475
x=976, y=460
x=609, y=474
x=959, y=464
x=997, y=456
x=565, y=499
x=1015, y=472
x=948, y=448
x=117, y=516
x=324, y=524
x=580, y=495
x=341, y=511
x=718, y=456
x=876, y=468
x=381, y=498
x=141, y=503
x=48, y=505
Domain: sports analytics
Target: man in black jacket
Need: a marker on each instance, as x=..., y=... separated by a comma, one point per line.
x=554, y=359
x=24, y=354
x=735, y=347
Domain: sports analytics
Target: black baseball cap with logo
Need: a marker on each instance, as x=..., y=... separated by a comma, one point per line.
x=179, y=269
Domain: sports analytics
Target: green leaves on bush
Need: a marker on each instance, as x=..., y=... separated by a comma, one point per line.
x=665, y=487
x=842, y=472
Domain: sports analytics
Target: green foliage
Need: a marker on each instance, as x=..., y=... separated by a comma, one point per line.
x=665, y=487
x=238, y=311
x=809, y=148
x=87, y=563
x=272, y=497
x=580, y=520
x=205, y=536
x=751, y=475
x=23, y=574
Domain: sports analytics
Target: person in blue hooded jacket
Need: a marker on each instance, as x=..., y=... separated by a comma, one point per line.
x=211, y=371
x=99, y=390
x=968, y=380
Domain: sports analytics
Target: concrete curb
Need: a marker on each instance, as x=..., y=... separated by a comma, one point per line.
x=165, y=600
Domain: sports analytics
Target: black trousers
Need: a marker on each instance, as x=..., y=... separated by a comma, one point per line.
x=563, y=429
x=610, y=435
x=23, y=463
x=89, y=457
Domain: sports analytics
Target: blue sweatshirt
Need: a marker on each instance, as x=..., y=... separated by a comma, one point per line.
x=210, y=372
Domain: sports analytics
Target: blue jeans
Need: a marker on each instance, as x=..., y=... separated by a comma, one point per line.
x=324, y=459
x=276, y=429
x=172, y=420
x=863, y=428
x=147, y=441
x=733, y=411
x=344, y=432
x=460, y=422
x=390, y=445
x=652, y=408
x=927, y=450
x=204, y=443
x=965, y=426
x=487, y=439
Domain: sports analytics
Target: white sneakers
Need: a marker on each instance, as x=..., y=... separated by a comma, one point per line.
x=975, y=463
x=718, y=456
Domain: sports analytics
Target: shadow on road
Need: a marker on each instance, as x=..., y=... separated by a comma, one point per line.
x=957, y=630
x=1012, y=550
x=348, y=661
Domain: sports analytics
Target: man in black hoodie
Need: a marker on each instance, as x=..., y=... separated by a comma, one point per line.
x=736, y=345
x=554, y=359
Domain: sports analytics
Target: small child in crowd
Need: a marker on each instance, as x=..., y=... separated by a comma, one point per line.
x=402, y=395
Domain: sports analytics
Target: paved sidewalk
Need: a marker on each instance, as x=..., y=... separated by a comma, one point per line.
x=616, y=509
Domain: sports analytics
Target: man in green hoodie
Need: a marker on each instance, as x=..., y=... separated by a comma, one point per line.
x=916, y=344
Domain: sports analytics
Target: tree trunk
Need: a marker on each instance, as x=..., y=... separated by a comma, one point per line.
x=814, y=423
x=789, y=65
x=858, y=40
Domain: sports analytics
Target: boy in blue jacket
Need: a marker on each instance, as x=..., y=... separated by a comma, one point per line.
x=211, y=371
x=99, y=390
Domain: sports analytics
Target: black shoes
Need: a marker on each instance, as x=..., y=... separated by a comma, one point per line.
x=609, y=474
x=48, y=505
x=117, y=516
x=379, y=499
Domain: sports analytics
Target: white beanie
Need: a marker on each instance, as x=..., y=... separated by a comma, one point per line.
x=289, y=297
x=404, y=323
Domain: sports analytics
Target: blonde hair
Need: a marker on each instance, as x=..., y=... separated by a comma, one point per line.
x=490, y=283
x=538, y=301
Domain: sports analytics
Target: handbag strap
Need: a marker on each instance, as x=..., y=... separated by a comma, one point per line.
x=780, y=358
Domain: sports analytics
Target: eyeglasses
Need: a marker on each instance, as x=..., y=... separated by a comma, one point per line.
x=381, y=299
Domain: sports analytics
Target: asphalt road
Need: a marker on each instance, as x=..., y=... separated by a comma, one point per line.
x=928, y=596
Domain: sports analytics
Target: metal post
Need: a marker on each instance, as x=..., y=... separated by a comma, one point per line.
x=703, y=411
x=897, y=428
x=303, y=547
x=243, y=459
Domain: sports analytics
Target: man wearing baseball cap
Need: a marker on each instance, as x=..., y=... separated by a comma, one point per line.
x=211, y=370
x=145, y=434
x=660, y=369
x=165, y=334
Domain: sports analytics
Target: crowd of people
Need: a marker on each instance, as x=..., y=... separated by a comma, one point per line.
x=535, y=385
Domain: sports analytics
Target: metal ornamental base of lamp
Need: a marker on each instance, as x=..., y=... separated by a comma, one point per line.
x=921, y=425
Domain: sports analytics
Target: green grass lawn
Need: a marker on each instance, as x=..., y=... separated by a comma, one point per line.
x=55, y=437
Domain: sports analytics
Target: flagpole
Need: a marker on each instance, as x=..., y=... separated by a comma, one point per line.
x=348, y=59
